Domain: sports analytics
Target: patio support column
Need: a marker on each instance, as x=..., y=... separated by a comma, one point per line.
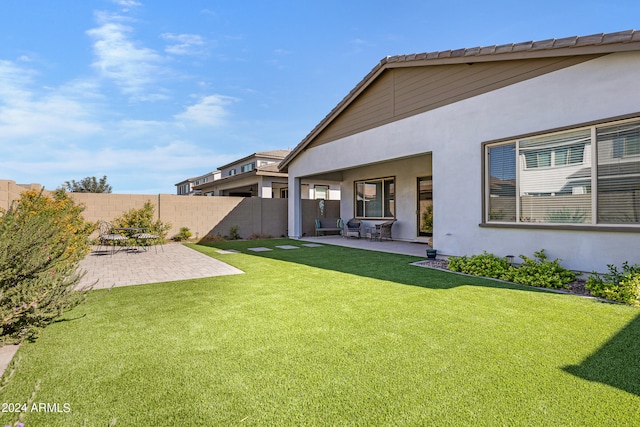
x=295, y=207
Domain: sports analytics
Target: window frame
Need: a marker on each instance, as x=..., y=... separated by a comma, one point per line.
x=247, y=168
x=383, y=197
x=592, y=145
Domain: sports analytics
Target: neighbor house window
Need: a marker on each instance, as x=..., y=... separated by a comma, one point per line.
x=247, y=167
x=232, y=172
x=375, y=198
x=550, y=178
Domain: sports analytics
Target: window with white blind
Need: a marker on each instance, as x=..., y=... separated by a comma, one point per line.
x=375, y=198
x=555, y=178
x=619, y=173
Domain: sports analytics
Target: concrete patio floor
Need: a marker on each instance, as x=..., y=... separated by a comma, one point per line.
x=391, y=246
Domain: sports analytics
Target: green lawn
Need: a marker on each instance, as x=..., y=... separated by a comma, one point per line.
x=334, y=336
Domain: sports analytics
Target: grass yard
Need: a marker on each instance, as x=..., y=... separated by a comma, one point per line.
x=333, y=336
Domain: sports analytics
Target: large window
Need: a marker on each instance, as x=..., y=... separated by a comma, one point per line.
x=555, y=178
x=375, y=198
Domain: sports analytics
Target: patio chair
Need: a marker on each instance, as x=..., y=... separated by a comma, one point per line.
x=149, y=237
x=352, y=228
x=107, y=237
x=385, y=230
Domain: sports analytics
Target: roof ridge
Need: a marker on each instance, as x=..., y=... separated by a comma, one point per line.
x=573, y=41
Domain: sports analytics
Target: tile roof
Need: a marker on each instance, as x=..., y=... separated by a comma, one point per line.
x=281, y=154
x=273, y=154
x=576, y=41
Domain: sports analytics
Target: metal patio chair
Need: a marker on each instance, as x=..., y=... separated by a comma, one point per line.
x=107, y=237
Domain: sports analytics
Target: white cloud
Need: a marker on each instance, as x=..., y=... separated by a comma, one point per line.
x=184, y=44
x=52, y=114
x=360, y=45
x=208, y=12
x=134, y=69
x=127, y=3
x=12, y=80
x=210, y=111
x=282, y=52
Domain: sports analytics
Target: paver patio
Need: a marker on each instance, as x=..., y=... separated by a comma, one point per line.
x=137, y=267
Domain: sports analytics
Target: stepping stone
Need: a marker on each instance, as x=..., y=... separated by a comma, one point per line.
x=312, y=245
x=227, y=251
x=259, y=249
x=288, y=247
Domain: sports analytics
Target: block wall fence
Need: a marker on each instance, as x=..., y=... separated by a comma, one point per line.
x=204, y=216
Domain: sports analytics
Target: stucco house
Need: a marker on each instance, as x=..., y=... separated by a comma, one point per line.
x=509, y=149
x=187, y=187
x=257, y=175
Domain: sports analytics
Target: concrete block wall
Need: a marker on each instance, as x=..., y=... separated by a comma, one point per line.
x=204, y=216
x=10, y=191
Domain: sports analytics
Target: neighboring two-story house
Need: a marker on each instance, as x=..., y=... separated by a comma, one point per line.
x=256, y=175
x=186, y=187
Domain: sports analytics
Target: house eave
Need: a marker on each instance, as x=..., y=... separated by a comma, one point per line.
x=604, y=43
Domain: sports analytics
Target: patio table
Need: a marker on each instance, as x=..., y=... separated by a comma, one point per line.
x=131, y=231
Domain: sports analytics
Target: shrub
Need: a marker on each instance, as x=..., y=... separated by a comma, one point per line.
x=541, y=272
x=260, y=236
x=183, y=234
x=485, y=264
x=620, y=286
x=143, y=218
x=233, y=233
x=42, y=239
x=212, y=237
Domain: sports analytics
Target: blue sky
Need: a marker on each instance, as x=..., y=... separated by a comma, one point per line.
x=151, y=93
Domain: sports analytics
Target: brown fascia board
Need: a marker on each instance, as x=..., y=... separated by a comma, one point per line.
x=238, y=176
x=274, y=174
x=226, y=179
x=570, y=46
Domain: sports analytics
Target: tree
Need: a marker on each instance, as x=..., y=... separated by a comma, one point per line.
x=88, y=185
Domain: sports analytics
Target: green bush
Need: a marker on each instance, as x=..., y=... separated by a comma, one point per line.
x=183, y=234
x=541, y=272
x=143, y=218
x=533, y=272
x=485, y=264
x=42, y=239
x=620, y=286
x=234, y=234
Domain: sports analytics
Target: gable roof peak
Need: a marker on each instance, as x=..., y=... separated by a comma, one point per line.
x=601, y=43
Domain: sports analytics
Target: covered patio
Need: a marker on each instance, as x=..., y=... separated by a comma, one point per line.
x=390, y=246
